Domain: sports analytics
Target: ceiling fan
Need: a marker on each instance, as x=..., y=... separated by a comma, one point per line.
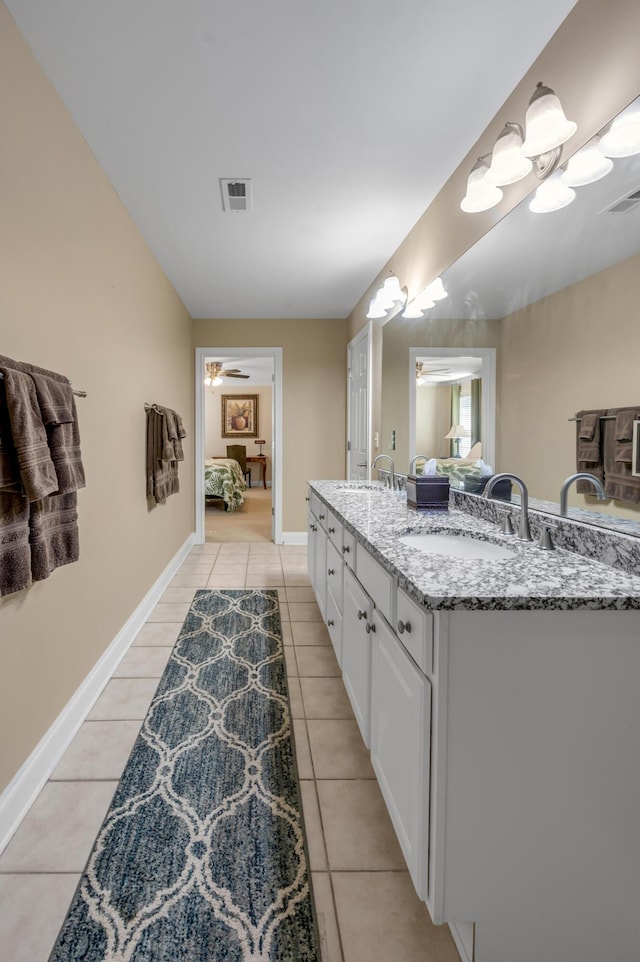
x=214, y=372
x=423, y=372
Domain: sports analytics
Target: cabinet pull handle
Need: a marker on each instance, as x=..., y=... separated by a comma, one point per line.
x=307, y=498
x=332, y=530
x=345, y=549
x=330, y=623
x=322, y=517
x=331, y=571
x=361, y=615
x=313, y=527
x=404, y=626
x=370, y=628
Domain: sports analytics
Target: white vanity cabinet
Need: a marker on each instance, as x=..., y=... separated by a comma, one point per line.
x=357, y=632
x=335, y=566
x=400, y=746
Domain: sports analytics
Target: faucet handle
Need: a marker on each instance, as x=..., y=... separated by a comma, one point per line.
x=545, y=541
x=506, y=525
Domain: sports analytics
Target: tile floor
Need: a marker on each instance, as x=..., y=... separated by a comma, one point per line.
x=367, y=909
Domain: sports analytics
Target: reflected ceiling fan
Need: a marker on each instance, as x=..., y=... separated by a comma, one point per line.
x=430, y=371
x=214, y=373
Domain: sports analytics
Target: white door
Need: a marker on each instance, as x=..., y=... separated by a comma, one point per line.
x=359, y=421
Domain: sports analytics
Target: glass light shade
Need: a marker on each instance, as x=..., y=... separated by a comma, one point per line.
x=545, y=123
x=587, y=166
x=435, y=291
x=413, y=310
x=623, y=137
x=457, y=431
x=551, y=195
x=481, y=193
x=390, y=293
x=376, y=309
x=508, y=163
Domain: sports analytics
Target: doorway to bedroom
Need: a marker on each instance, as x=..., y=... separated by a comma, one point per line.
x=238, y=458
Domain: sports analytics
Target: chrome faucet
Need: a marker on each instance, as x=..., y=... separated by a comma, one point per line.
x=524, y=532
x=412, y=463
x=393, y=470
x=580, y=476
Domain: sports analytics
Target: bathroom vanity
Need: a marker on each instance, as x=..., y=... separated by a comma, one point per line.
x=496, y=686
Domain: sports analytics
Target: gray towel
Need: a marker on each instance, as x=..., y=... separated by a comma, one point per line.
x=15, y=553
x=619, y=482
x=37, y=470
x=9, y=466
x=53, y=534
x=58, y=411
x=589, y=449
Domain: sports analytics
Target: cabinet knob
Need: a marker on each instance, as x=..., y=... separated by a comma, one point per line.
x=332, y=530
x=330, y=623
x=345, y=549
x=307, y=498
x=331, y=571
x=404, y=626
x=313, y=527
x=361, y=615
x=322, y=517
x=370, y=628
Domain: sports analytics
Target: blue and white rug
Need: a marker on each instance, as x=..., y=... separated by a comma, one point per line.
x=202, y=856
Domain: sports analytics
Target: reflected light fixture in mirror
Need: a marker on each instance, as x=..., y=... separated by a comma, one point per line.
x=587, y=166
x=508, y=163
x=622, y=139
x=425, y=299
x=387, y=298
x=481, y=193
x=552, y=195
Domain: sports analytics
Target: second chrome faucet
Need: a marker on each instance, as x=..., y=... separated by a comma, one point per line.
x=524, y=532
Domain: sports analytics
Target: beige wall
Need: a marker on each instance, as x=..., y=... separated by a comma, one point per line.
x=593, y=63
x=80, y=293
x=214, y=443
x=313, y=395
x=577, y=349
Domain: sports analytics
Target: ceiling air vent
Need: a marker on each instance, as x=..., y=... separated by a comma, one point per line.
x=236, y=194
x=625, y=204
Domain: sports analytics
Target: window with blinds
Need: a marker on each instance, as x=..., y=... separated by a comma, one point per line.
x=465, y=421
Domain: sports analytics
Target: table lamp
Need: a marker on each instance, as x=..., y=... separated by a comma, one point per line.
x=260, y=441
x=457, y=431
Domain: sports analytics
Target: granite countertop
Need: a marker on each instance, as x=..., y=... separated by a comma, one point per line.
x=531, y=579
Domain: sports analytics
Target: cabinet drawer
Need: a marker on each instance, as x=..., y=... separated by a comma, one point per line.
x=335, y=530
x=378, y=583
x=349, y=549
x=414, y=627
x=315, y=504
x=335, y=569
x=334, y=627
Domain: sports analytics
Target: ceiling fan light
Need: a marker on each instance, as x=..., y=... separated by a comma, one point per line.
x=551, y=195
x=508, y=163
x=545, y=123
x=623, y=137
x=587, y=166
x=481, y=194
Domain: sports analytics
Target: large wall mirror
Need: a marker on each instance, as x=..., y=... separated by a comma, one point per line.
x=558, y=296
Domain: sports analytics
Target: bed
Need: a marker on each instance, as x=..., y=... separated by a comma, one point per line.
x=223, y=478
x=465, y=473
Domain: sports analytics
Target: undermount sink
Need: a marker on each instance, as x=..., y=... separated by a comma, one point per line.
x=458, y=546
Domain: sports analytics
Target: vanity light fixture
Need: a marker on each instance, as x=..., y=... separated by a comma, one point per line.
x=587, y=166
x=623, y=137
x=481, y=193
x=388, y=297
x=551, y=195
x=425, y=299
x=376, y=310
x=546, y=126
x=508, y=163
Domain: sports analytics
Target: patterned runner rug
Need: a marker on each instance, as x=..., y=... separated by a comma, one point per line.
x=201, y=857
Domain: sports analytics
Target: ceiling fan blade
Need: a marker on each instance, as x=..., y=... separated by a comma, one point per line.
x=228, y=374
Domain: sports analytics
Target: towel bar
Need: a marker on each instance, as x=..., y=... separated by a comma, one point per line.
x=77, y=393
x=603, y=417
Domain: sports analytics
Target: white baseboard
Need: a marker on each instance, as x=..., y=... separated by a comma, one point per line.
x=294, y=537
x=23, y=789
x=462, y=933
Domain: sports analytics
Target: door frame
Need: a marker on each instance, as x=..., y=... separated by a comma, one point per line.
x=488, y=374
x=201, y=353
x=363, y=334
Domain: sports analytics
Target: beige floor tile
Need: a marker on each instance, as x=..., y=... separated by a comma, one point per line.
x=99, y=751
x=177, y=595
x=337, y=749
x=313, y=826
x=325, y=698
x=226, y=581
x=195, y=568
x=303, y=753
x=287, y=634
x=293, y=579
x=60, y=828
x=317, y=660
x=290, y=659
x=234, y=551
x=304, y=611
x=284, y=613
x=310, y=633
x=32, y=910
x=226, y=568
x=175, y=611
x=140, y=662
x=208, y=548
x=188, y=581
x=163, y=634
x=124, y=698
x=326, y=916
x=357, y=828
x=295, y=697
x=305, y=594
x=264, y=581
x=381, y=918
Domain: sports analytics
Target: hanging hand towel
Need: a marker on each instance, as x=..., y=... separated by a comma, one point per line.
x=37, y=470
x=619, y=482
x=589, y=448
x=58, y=411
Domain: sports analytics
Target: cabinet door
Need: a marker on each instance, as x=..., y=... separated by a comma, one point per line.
x=312, y=527
x=320, y=569
x=335, y=568
x=357, y=631
x=400, y=741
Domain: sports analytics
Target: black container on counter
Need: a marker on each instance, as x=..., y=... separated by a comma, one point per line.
x=427, y=491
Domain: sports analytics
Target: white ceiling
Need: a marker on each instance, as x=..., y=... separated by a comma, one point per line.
x=349, y=116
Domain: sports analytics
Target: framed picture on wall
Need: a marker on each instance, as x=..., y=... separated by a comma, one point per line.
x=239, y=416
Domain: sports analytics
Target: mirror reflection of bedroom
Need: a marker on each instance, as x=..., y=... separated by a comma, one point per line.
x=448, y=407
x=238, y=419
